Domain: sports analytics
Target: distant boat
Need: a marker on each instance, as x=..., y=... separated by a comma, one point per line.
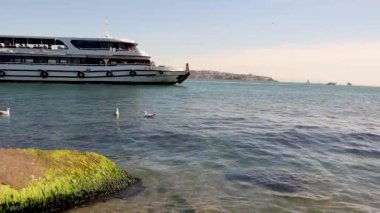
x=331, y=84
x=308, y=82
x=349, y=84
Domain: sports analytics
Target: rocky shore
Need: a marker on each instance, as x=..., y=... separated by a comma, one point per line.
x=34, y=180
x=216, y=75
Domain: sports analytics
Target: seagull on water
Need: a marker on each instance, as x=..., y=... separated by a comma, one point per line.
x=6, y=112
x=116, y=113
x=148, y=115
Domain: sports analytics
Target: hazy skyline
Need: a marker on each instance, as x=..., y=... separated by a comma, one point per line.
x=289, y=40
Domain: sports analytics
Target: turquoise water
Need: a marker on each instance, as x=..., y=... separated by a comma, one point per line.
x=214, y=146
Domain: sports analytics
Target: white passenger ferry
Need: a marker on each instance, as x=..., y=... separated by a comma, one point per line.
x=81, y=60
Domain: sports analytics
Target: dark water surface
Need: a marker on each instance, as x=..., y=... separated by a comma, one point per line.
x=214, y=146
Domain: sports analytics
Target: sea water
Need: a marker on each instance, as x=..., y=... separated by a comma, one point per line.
x=214, y=146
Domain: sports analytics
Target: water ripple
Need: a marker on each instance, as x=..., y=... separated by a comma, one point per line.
x=214, y=146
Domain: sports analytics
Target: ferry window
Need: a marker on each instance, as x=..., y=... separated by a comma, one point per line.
x=58, y=42
x=101, y=45
x=76, y=61
x=63, y=61
x=4, y=58
x=131, y=61
x=40, y=60
x=34, y=42
x=105, y=45
x=86, y=44
x=52, y=61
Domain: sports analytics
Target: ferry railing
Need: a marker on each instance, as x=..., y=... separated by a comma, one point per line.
x=69, y=64
x=107, y=49
x=36, y=48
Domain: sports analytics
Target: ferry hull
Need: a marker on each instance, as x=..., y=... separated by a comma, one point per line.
x=91, y=75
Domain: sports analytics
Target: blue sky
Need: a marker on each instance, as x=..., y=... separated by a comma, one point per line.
x=177, y=31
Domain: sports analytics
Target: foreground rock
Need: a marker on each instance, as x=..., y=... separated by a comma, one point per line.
x=216, y=75
x=48, y=181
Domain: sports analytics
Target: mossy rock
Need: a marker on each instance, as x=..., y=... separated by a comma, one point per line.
x=34, y=180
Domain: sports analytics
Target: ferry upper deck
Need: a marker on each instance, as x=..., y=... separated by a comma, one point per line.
x=69, y=46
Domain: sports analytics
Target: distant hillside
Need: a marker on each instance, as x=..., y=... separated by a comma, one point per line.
x=216, y=75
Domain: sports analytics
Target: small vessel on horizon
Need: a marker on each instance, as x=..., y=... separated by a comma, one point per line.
x=331, y=84
x=349, y=84
x=81, y=60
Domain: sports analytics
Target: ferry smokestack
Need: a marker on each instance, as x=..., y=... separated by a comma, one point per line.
x=187, y=67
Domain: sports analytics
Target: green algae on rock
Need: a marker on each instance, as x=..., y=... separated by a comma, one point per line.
x=34, y=180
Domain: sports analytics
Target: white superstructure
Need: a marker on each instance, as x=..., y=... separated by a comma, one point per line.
x=80, y=60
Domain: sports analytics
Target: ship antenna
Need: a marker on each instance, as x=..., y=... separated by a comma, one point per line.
x=106, y=33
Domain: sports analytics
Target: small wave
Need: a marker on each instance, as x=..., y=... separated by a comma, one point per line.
x=222, y=120
x=371, y=153
x=174, y=142
x=365, y=136
x=288, y=139
x=276, y=181
x=306, y=127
